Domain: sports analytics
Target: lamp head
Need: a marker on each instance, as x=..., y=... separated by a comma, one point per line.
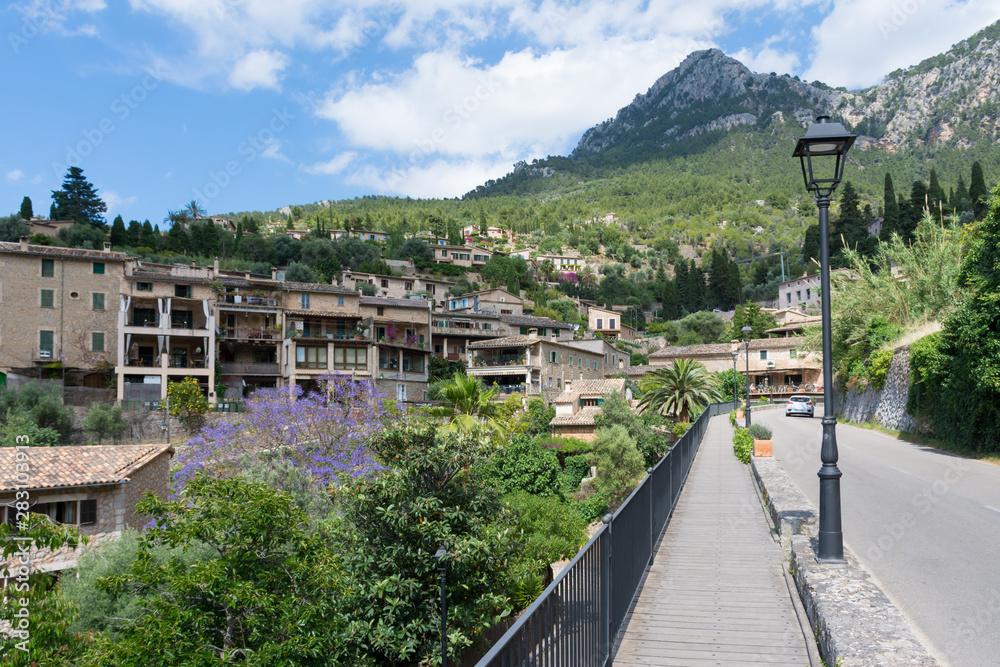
x=829, y=142
x=746, y=331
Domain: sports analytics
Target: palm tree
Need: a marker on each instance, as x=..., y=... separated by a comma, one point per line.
x=194, y=210
x=679, y=389
x=468, y=404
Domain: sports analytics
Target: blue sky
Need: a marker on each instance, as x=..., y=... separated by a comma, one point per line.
x=258, y=104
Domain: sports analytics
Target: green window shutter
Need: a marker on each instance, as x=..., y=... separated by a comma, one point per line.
x=99, y=268
x=97, y=341
x=541, y=332
x=48, y=268
x=46, y=298
x=600, y=401
x=524, y=331
x=98, y=301
x=45, y=341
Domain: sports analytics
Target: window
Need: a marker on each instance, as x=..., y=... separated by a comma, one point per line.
x=430, y=288
x=340, y=301
x=444, y=253
x=788, y=297
x=144, y=316
x=763, y=354
x=97, y=301
x=97, y=341
x=98, y=268
x=571, y=360
x=593, y=365
x=182, y=291
x=46, y=301
x=144, y=287
x=798, y=295
x=611, y=323
x=310, y=357
x=407, y=286
x=579, y=361
x=437, y=349
x=304, y=301
x=808, y=293
x=600, y=322
x=350, y=358
x=385, y=283
x=48, y=268
x=380, y=311
x=454, y=255
x=182, y=319
x=506, y=311
x=45, y=344
x=74, y=512
x=553, y=357
x=463, y=255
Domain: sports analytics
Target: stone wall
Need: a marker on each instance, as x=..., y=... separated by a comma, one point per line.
x=887, y=407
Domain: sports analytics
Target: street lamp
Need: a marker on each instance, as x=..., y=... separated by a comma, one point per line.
x=746, y=331
x=736, y=387
x=443, y=571
x=829, y=142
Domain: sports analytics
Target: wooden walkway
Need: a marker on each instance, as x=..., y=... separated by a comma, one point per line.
x=715, y=593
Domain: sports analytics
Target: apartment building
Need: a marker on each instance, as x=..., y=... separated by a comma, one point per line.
x=471, y=257
x=57, y=305
x=615, y=361
x=531, y=365
x=571, y=261
x=453, y=333
x=166, y=330
x=401, y=345
x=398, y=287
x=249, y=332
x=496, y=301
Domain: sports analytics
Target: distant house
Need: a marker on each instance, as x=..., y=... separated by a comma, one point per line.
x=580, y=402
x=496, y=301
x=49, y=227
x=223, y=222
x=615, y=361
x=801, y=292
x=609, y=323
x=92, y=488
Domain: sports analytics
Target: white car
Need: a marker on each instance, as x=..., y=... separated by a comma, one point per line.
x=799, y=405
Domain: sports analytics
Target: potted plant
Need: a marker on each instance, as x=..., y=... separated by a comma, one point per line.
x=762, y=444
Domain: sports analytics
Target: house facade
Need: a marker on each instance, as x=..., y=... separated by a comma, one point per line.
x=801, y=292
x=93, y=488
x=58, y=305
x=580, y=402
x=401, y=345
x=608, y=323
x=496, y=301
x=615, y=361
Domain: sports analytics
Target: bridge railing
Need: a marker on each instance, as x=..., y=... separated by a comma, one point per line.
x=576, y=620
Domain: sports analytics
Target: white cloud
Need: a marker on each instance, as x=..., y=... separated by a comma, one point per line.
x=258, y=69
x=439, y=178
x=14, y=175
x=116, y=201
x=331, y=167
x=861, y=41
x=272, y=151
x=768, y=60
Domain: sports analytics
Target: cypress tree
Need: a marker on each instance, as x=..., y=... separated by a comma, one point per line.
x=119, y=237
x=890, y=209
x=150, y=239
x=978, y=194
x=734, y=290
x=683, y=289
x=699, y=290
x=26, y=212
x=935, y=192
x=918, y=204
x=668, y=297
x=134, y=234
x=810, y=245
x=960, y=201
x=718, y=277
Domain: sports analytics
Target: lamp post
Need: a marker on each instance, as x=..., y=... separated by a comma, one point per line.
x=829, y=142
x=736, y=387
x=746, y=331
x=443, y=571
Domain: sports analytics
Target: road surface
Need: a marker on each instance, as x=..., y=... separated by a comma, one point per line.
x=926, y=523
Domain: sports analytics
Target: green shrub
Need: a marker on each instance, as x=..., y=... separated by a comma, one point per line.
x=732, y=417
x=105, y=421
x=576, y=468
x=523, y=465
x=550, y=528
x=759, y=432
x=878, y=368
x=928, y=367
x=619, y=463
x=593, y=508
x=743, y=445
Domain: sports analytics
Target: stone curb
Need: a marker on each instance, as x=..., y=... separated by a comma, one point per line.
x=855, y=623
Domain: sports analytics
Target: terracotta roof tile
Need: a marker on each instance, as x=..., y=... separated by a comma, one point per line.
x=585, y=417
x=531, y=320
x=586, y=388
x=673, y=351
x=55, y=467
x=398, y=303
x=78, y=253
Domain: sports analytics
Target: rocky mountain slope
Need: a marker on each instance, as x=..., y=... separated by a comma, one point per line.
x=951, y=99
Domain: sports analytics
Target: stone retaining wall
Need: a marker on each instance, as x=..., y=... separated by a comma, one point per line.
x=887, y=407
x=855, y=623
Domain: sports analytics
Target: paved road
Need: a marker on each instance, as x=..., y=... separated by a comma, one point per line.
x=924, y=522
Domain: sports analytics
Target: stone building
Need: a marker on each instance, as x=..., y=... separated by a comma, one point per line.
x=453, y=332
x=615, y=361
x=608, y=323
x=777, y=366
x=58, y=305
x=398, y=287
x=401, y=345
x=496, y=301
x=94, y=488
x=801, y=292
x=532, y=365
x=580, y=402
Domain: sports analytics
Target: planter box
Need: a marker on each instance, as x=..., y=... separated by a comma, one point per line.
x=762, y=448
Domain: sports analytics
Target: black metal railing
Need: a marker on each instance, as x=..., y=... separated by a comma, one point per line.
x=576, y=620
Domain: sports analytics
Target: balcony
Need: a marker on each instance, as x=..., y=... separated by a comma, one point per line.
x=336, y=334
x=250, y=300
x=253, y=334
x=251, y=369
x=503, y=360
x=465, y=331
